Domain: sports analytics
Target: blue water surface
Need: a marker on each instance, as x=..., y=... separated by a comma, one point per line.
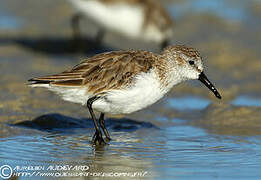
x=188, y=103
x=7, y=20
x=181, y=152
x=246, y=101
x=222, y=8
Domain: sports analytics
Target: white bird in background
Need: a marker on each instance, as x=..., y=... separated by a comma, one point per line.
x=145, y=20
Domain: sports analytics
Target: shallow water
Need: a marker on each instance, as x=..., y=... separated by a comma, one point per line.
x=187, y=135
x=188, y=103
x=226, y=9
x=179, y=151
x=247, y=101
x=7, y=21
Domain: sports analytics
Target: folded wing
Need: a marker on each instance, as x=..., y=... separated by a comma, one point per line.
x=104, y=71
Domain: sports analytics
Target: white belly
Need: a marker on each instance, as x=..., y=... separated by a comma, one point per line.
x=146, y=91
x=120, y=17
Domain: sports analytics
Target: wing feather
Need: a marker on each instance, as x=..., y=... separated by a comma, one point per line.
x=104, y=71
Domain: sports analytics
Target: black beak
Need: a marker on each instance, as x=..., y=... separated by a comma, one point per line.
x=203, y=78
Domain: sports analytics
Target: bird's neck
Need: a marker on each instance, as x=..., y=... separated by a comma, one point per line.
x=168, y=73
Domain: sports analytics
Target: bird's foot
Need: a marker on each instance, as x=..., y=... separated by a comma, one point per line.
x=107, y=139
x=97, y=139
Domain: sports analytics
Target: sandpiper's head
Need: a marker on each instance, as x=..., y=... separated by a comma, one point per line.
x=189, y=63
x=157, y=24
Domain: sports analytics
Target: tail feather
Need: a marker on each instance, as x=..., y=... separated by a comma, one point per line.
x=66, y=78
x=38, y=83
x=35, y=82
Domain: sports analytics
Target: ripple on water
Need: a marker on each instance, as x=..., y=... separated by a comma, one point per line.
x=175, y=151
x=39, y=149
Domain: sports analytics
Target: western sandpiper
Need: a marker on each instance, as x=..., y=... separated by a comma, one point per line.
x=136, y=19
x=123, y=82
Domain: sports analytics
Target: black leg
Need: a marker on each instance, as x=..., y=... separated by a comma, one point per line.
x=99, y=37
x=102, y=124
x=78, y=41
x=75, y=23
x=97, y=137
x=164, y=44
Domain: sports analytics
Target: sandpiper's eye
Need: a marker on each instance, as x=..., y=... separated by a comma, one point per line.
x=191, y=62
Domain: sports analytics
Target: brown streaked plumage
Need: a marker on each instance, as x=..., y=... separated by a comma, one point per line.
x=123, y=82
x=157, y=14
x=112, y=70
x=188, y=51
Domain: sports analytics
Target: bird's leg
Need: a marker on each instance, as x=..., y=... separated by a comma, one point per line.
x=78, y=41
x=165, y=43
x=99, y=37
x=102, y=124
x=97, y=137
x=75, y=23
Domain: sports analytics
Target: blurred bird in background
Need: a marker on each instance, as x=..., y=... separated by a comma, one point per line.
x=145, y=20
